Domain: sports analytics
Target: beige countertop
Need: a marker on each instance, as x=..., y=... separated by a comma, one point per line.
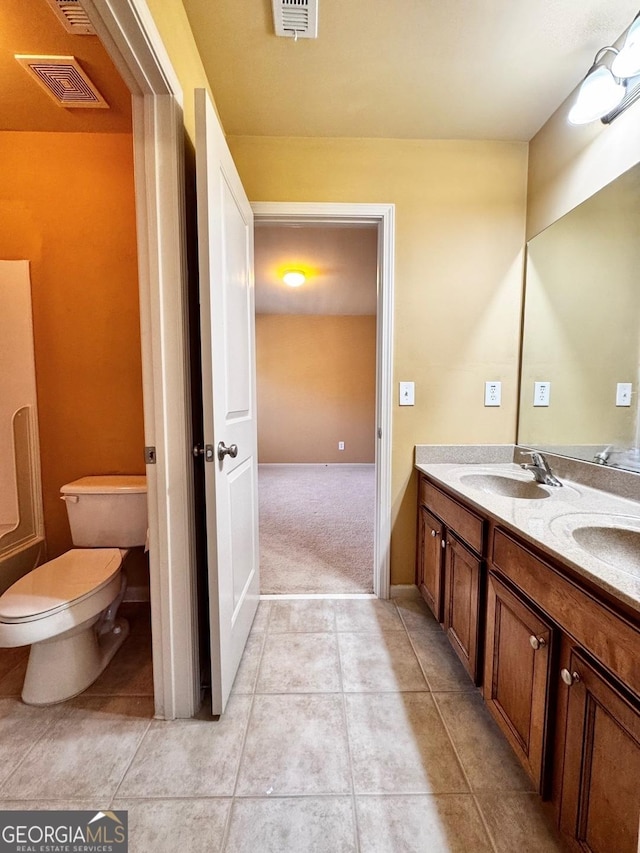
x=548, y=522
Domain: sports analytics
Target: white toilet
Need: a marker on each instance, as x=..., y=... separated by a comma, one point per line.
x=66, y=608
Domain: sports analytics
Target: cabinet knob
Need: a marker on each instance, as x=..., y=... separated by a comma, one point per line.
x=443, y=544
x=434, y=533
x=537, y=642
x=569, y=678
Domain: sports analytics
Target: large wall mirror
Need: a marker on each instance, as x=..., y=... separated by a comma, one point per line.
x=581, y=331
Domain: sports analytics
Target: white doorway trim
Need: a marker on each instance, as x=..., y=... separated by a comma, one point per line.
x=128, y=33
x=383, y=215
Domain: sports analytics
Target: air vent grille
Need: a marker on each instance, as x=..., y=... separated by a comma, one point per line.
x=64, y=80
x=72, y=17
x=296, y=18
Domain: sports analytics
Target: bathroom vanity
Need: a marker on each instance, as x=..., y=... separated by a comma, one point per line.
x=538, y=590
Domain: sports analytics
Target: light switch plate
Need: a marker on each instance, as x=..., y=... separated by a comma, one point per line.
x=493, y=393
x=407, y=393
x=623, y=393
x=541, y=393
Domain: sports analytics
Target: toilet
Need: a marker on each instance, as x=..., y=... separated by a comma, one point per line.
x=66, y=609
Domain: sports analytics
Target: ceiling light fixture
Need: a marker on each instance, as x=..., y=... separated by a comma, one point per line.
x=294, y=278
x=610, y=85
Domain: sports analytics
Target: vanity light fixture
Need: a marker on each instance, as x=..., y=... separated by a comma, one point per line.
x=627, y=62
x=294, y=278
x=611, y=84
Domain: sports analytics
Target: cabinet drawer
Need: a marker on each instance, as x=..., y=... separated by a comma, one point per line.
x=466, y=524
x=613, y=640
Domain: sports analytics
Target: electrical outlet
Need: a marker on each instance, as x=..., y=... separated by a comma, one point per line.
x=407, y=393
x=623, y=393
x=493, y=393
x=341, y=445
x=541, y=393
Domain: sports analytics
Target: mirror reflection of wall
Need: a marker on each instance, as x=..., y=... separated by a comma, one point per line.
x=582, y=328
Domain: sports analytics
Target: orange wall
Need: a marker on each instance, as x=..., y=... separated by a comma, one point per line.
x=316, y=387
x=67, y=205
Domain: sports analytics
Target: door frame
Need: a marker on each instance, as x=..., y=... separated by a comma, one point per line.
x=382, y=215
x=129, y=34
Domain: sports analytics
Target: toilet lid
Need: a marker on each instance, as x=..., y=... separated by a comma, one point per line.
x=58, y=583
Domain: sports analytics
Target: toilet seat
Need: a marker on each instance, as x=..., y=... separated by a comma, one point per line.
x=55, y=586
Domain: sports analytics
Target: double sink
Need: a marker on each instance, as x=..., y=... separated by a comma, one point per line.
x=611, y=538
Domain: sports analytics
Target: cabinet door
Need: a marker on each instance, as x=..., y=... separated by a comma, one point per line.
x=429, y=573
x=600, y=806
x=462, y=602
x=517, y=675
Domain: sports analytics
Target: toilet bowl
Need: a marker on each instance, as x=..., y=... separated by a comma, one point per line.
x=66, y=608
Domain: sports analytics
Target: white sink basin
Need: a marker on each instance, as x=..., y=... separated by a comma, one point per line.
x=510, y=487
x=613, y=539
x=619, y=547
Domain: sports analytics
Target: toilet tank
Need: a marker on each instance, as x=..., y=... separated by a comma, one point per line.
x=107, y=511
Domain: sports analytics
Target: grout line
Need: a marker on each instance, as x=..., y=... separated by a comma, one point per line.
x=483, y=820
x=422, y=669
x=36, y=741
x=451, y=741
x=130, y=762
x=227, y=826
x=356, y=828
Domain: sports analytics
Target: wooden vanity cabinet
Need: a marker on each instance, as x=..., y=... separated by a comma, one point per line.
x=600, y=783
x=449, y=570
x=430, y=564
x=519, y=651
x=560, y=664
x=461, y=617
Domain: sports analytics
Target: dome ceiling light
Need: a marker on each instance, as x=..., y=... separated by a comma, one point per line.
x=294, y=278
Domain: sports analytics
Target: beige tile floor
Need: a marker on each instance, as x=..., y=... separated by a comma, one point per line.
x=352, y=727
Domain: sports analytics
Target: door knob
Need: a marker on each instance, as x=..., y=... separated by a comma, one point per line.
x=223, y=450
x=569, y=678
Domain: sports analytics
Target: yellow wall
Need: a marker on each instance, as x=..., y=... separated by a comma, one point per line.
x=316, y=387
x=173, y=25
x=67, y=205
x=568, y=164
x=460, y=210
x=460, y=218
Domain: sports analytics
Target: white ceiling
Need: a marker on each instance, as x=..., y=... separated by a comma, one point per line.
x=340, y=264
x=430, y=69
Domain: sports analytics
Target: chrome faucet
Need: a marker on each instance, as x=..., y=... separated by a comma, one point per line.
x=602, y=458
x=540, y=469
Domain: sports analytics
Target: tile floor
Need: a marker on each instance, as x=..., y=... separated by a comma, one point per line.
x=352, y=727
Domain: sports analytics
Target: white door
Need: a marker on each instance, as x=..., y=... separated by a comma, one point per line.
x=225, y=247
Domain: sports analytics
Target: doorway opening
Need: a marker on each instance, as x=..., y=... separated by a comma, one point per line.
x=325, y=524
x=316, y=393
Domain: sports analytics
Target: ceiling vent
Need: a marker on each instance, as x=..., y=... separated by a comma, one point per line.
x=72, y=17
x=296, y=18
x=64, y=80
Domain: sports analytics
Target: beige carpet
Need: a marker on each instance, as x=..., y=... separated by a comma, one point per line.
x=316, y=528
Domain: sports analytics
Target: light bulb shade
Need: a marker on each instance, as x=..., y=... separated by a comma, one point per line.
x=599, y=94
x=627, y=63
x=294, y=278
